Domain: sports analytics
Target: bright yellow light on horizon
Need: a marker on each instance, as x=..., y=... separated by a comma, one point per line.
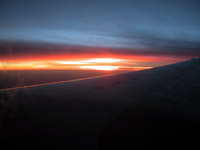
x=70, y=62
x=94, y=64
x=103, y=60
x=107, y=64
x=89, y=61
x=41, y=66
x=100, y=67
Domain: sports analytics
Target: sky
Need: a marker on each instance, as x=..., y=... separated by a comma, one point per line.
x=164, y=30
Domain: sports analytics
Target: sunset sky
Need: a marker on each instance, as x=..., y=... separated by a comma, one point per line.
x=94, y=34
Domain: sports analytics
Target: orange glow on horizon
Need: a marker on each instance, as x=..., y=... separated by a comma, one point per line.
x=103, y=60
x=93, y=62
x=101, y=67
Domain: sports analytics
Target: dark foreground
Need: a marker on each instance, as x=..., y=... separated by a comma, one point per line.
x=18, y=78
x=150, y=109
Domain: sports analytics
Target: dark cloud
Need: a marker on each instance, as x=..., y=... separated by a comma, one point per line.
x=176, y=49
x=132, y=27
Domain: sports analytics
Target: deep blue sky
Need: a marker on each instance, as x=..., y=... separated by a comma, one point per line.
x=164, y=25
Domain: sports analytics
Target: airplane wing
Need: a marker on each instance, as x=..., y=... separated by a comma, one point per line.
x=145, y=108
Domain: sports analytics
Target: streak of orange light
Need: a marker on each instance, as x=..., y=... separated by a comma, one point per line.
x=80, y=57
x=70, y=62
x=101, y=67
x=82, y=61
x=103, y=60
